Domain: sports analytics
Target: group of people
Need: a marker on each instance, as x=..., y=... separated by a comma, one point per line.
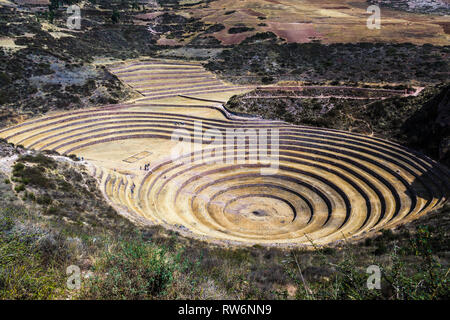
x=146, y=167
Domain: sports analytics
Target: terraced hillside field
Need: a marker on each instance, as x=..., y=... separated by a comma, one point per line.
x=311, y=184
x=157, y=80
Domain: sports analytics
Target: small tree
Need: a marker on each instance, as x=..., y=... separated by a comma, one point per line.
x=135, y=5
x=54, y=4
x=115, y=17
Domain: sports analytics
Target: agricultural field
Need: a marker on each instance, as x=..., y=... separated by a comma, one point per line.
x=219, y=149
x=331, y=189
x=327, y=21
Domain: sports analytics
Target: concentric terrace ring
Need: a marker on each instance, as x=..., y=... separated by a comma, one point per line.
x=329, y=185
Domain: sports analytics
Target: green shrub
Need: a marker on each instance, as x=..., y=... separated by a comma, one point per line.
x=32, y=175
x=17, y=168
x=52, y=211
x=267, y=80
x=22, y=276
x=44, y=199
x=40, y=159
x=135, y=270
x=30, y=196
x=19, y=188
x=24, y=273
x=73, y=157
x=4, y=79
x=328, y=250
x=381, y=249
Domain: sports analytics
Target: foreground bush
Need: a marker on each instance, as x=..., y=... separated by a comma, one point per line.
x=133, y=270
x=29, y=259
